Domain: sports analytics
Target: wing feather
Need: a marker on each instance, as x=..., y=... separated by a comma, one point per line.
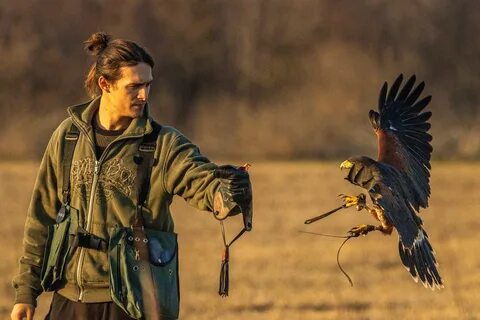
x=393, y=91
x=406, y=88
x=422, y=155
x=415, y=94
x=418, y=127
x=383, y=96
x=418, y=118
x=420, y=105
x=407, y=261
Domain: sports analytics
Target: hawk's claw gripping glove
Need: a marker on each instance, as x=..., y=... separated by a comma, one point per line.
x=234, y=195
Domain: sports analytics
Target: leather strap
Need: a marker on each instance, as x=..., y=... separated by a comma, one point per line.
x=87, y=240
x=71, y=139
x=145, y=161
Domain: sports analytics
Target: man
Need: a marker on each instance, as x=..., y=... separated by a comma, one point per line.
x=100, y=187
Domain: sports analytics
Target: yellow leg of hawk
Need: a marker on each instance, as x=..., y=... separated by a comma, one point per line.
x=376, y=211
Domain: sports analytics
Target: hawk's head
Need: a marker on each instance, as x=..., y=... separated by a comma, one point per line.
x=359, y=171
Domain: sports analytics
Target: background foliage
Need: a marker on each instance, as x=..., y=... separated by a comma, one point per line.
x=250, y=78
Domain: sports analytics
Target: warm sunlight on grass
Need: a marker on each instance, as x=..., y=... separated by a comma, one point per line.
x=279, y=273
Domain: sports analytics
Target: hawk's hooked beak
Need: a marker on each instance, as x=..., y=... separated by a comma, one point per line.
x=346, y=165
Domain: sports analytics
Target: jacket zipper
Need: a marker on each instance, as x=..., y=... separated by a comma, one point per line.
x=96, y=175
x=89, y=214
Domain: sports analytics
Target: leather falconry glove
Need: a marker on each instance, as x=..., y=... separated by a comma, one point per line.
x=234, y=194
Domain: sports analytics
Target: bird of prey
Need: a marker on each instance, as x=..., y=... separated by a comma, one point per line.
x=398, y=182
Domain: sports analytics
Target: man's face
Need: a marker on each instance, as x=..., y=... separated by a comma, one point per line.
x=128, y=95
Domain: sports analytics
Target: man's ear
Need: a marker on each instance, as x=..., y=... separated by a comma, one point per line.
x=104, y=84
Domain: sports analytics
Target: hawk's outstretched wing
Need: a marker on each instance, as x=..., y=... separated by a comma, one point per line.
x=404, y=153
x=403, y=139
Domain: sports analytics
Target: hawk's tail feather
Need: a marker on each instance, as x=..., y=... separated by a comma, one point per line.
x=420, y=261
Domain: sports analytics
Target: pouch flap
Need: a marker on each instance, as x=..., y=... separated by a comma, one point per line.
x=162, y=246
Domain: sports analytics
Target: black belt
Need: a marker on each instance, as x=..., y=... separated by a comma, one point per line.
x=85, y=239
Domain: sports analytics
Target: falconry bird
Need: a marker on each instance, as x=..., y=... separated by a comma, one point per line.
x=398, y=181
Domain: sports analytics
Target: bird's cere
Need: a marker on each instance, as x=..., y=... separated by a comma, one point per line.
x=346, y=165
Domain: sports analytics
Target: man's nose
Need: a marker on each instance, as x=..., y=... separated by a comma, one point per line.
x=143, y=94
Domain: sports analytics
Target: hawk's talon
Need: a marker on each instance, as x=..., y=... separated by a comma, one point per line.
x=359, y=201
x=361, y=230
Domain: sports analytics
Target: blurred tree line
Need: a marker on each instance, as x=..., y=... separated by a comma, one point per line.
x=250, y=79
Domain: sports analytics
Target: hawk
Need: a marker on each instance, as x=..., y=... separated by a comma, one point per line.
x=398, y=182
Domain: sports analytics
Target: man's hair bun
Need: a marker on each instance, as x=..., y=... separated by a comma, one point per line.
x=110, y=56
x=97, y=42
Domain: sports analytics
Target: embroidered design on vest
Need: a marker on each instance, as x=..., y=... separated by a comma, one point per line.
x=114, y=177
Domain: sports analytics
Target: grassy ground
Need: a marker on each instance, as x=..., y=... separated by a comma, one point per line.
x=279, y=273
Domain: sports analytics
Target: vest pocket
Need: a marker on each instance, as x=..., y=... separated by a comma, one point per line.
x=57, y=249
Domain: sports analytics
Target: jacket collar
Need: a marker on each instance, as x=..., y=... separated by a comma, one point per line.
x=82, y=115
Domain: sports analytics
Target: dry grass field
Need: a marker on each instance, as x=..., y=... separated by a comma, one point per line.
x=279, y=273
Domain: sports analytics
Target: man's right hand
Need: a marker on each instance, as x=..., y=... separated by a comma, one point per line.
x=22, y=311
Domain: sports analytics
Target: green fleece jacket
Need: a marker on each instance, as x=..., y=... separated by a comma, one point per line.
x=103, y=190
